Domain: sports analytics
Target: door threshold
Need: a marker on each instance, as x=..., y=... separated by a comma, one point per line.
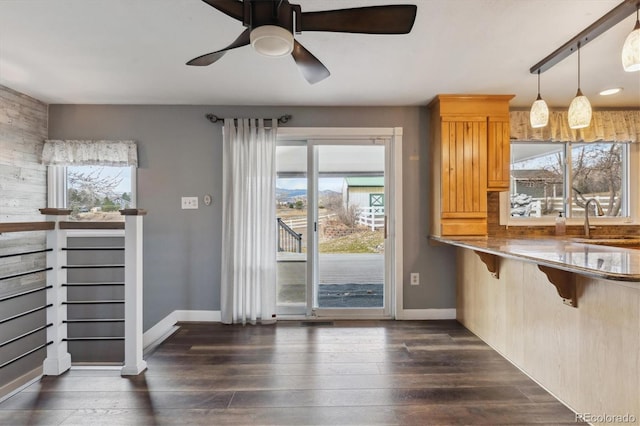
x=352, y=317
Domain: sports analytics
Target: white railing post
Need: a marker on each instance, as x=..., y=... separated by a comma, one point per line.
x=133, y=346
x=58, y=359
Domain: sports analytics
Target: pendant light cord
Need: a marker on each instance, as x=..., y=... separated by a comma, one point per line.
x=578, y=65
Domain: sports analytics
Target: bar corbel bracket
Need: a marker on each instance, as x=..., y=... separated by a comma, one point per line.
x=491, y=261
x=565, y=283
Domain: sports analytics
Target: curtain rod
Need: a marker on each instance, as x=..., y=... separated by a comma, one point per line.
x=281, y=120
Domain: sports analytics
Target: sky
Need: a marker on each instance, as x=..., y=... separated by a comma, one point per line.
x=106, y=171
x=333, y=184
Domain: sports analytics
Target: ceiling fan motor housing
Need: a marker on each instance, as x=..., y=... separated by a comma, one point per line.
x=271, y=25
x=271, y=40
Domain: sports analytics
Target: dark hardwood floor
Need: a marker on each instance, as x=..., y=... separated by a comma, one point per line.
x=293, y=373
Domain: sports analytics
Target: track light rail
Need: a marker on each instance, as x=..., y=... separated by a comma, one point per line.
x=608, y=20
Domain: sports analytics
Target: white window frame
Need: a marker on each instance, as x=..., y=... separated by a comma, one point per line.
x=631, y=182
x=57, y=187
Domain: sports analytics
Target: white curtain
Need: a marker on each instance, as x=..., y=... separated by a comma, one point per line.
x=89, y=153
x=248, y=290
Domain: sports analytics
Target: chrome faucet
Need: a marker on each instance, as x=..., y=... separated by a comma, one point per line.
x=599, y=212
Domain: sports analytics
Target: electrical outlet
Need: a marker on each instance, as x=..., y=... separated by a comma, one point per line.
x=415, y=278
x=189, y=202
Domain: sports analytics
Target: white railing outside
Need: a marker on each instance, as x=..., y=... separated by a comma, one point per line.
x=371, y=217
x=302, y=222
x=527, y=206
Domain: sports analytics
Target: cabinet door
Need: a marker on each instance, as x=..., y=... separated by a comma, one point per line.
x=464, y=173
x=498, y=154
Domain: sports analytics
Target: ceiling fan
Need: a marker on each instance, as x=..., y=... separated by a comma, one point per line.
x=272, y=23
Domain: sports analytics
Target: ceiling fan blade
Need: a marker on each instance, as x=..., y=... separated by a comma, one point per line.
x=233, y=8
x=310, y=66
x=392, y=19
x=209, y=58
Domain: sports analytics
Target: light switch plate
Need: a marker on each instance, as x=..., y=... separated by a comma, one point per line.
x=189, y=202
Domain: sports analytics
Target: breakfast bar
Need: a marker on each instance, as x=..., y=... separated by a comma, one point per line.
x=566, y=311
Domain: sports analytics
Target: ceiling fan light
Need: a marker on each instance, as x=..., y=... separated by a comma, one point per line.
x=579, y=112
x=539, y=114
x=271, y=40
x=631, y=50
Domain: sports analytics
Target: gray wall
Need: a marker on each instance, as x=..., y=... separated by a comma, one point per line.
x=180, y=154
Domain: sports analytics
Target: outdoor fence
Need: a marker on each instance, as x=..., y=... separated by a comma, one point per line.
x=527, y=206
x=371, y=217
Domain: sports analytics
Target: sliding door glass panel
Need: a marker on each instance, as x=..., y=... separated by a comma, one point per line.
x=350, y=237
x=291, y=222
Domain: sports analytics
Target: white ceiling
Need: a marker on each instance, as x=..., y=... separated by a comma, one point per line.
x=134, y=52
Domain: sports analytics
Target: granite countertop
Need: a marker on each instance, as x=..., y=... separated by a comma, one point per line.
x=590, y=258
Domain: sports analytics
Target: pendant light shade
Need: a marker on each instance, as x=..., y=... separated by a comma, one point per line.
x=579, y=111
x=539, y=114
x=631, y=48
x=580, y=108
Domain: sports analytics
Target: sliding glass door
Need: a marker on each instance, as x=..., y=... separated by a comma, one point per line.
x=332, y=228
x=349, y=262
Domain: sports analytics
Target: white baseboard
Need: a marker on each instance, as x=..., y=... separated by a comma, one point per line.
x=22, y=382
x=426, y=314
x=195, y=316
x=165, y=326
x=160, y=329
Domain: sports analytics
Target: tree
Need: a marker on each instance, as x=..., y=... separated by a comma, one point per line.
x=90, y=189
x=597, y=169
x=108, y=205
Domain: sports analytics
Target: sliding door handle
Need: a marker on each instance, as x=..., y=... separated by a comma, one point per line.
x=385, y=227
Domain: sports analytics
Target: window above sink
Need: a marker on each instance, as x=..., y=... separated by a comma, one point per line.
x=552, y=177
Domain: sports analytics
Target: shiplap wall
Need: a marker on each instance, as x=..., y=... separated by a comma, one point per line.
x=23, y=190
x=23, y=180
x=23, y=183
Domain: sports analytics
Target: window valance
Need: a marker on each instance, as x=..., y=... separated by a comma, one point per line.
x=616, y=126
x=89, y=152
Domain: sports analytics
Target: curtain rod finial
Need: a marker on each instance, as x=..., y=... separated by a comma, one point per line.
x=212, y=118
x=284, y=119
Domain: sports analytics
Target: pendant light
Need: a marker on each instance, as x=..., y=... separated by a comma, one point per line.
x=580, y=108
x=631, y=47
x=539, y=114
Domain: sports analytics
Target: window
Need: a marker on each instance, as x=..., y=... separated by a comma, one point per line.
x=95, y=179
x=92, y=193
x=97, y=193
x=548, y=178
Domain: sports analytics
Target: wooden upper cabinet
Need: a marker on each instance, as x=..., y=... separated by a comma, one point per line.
x=470, y=148
x=498, y=154
x=464, y=166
